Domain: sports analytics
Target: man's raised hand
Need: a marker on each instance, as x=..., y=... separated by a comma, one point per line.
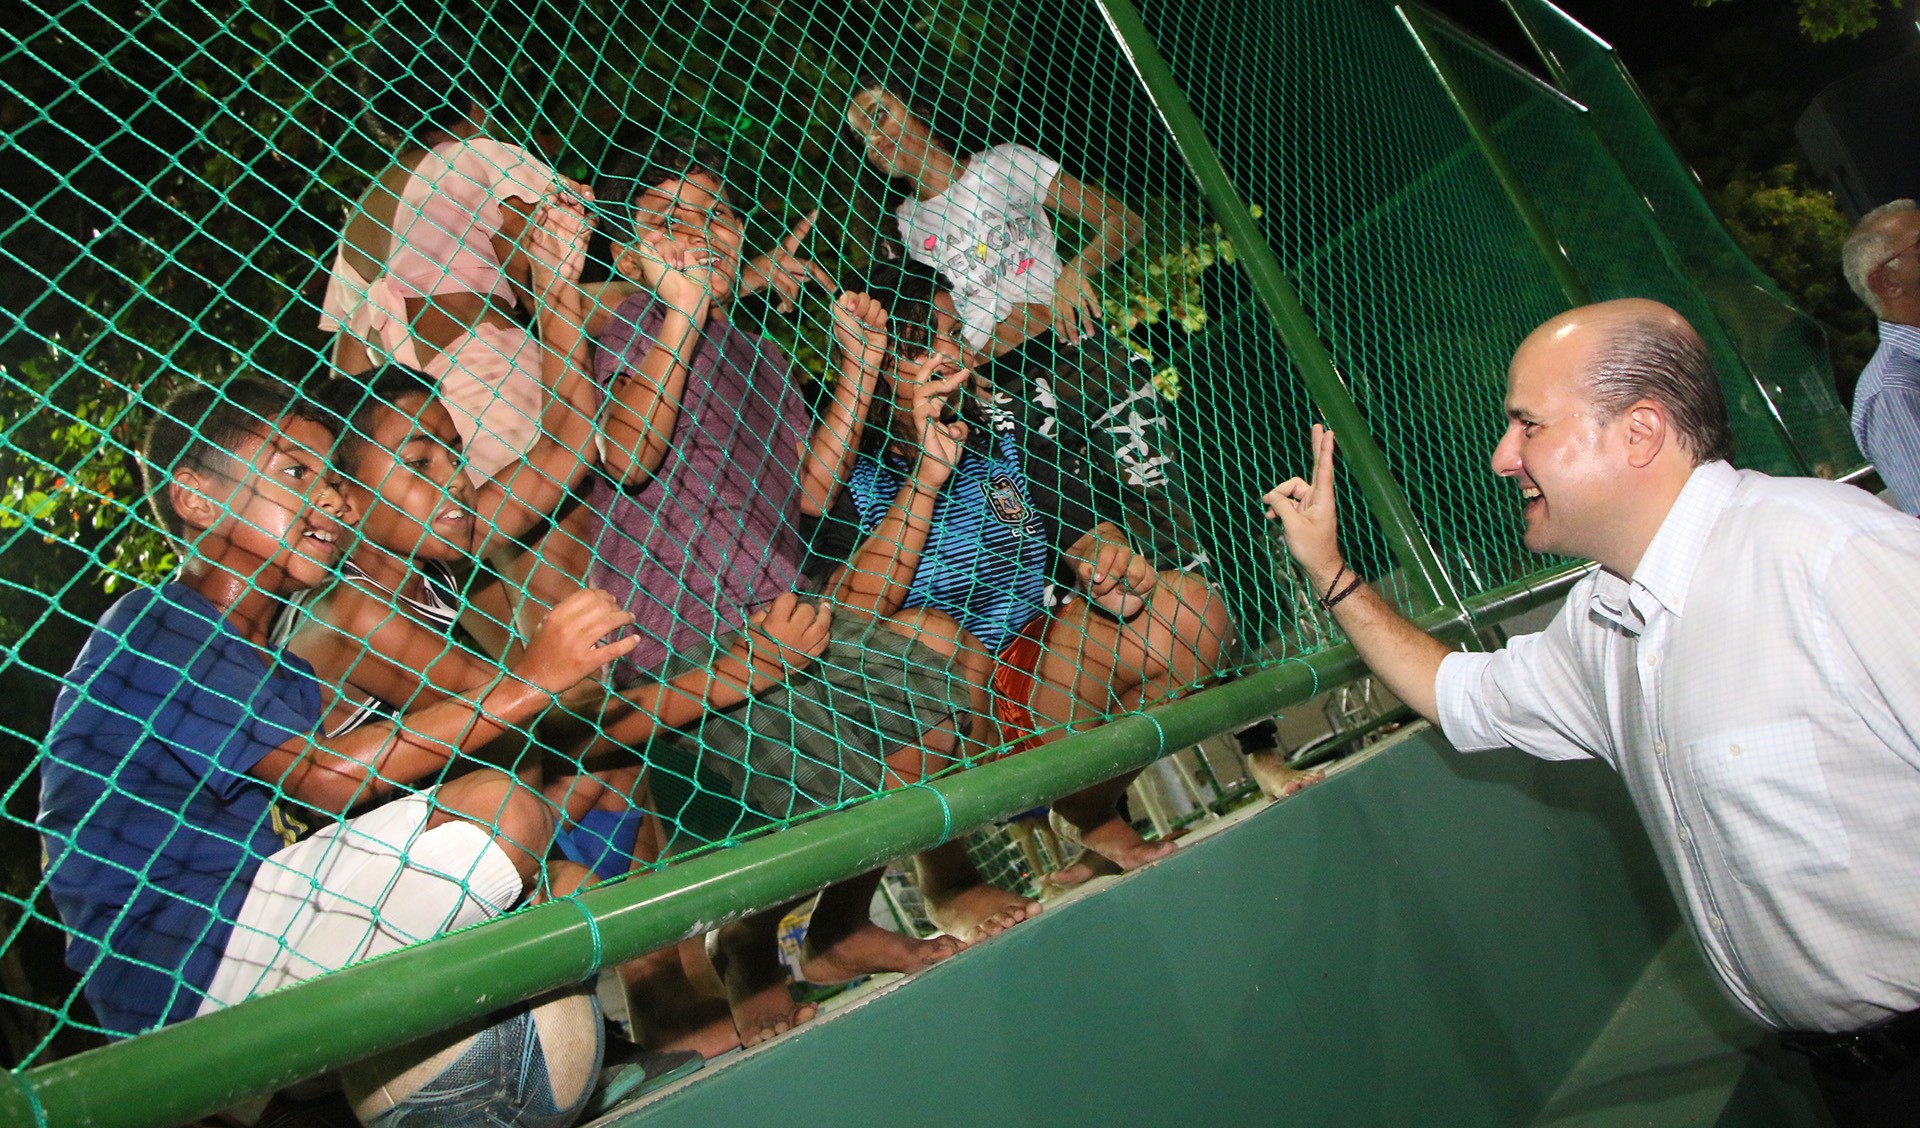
x=1305, y=509
x=570, y=645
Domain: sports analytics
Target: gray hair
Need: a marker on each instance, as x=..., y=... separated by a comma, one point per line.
x=1868, y=247
x=1662, y=359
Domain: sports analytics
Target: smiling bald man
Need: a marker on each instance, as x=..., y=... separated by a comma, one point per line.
x=1747, y=657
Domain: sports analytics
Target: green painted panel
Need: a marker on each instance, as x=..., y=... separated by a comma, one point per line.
x=1424, y=939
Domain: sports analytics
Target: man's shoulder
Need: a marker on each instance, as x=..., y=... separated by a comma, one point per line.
x=1808, y=518
x=1895, y=362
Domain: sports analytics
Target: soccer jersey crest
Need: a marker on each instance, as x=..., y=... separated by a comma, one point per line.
x=1008, y=504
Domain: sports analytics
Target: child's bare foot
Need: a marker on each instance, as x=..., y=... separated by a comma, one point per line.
x=979, y=911
x=869, y=949
x=1276, y=779
x=670, y=1012
x=769, y=1013
x=759, y=991
x=1117, y=841
x=1081, y=870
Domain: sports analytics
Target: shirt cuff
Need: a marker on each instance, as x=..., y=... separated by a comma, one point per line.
x=1459, y=701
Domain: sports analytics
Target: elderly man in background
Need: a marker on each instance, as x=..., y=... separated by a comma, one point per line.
x=1743, y=657
x=1882, y=262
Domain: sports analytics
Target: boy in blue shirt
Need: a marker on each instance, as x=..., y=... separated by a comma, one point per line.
x=185, y=763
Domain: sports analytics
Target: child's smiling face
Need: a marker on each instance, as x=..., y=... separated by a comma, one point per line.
x=285, y=520
x=897, y=142
x=410, y=482
x=694, y=216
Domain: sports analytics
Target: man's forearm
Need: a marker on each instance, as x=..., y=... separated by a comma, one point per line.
x=1400, y=654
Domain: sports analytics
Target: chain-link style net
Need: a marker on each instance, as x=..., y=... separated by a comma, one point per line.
x=883, y=366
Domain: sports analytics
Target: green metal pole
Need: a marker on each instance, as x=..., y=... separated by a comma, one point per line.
x=1419, y=25
x=1427, y=577
x=201, y=1066
x=1488, y=608
x=1548, y=56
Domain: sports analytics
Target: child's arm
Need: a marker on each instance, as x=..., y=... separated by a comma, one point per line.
x=1076, y=308
x=881, y=572
x=645, y=400
x=355, y=636
x=781, y=639
x=521, y=494
x=860, y=345
x=371, y=761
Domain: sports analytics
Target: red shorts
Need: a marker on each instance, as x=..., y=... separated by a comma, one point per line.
x=1015, y=671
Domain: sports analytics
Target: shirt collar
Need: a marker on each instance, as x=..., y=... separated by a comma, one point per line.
x=1903, y=338
x=1666, y=570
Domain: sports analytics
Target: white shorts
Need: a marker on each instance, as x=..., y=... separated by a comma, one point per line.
x=357, y=889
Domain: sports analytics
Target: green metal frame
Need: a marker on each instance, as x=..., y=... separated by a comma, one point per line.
x=1527, y=16
x=1419, y=23
x=197, y=1068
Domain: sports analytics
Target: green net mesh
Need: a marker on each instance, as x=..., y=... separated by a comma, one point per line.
x=618, y=246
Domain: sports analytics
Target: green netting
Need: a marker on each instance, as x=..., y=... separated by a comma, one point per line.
x=1784, y=350
x=194, y=186
x=1612, y=240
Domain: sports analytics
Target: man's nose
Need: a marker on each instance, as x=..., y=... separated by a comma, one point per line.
x=1506, y=455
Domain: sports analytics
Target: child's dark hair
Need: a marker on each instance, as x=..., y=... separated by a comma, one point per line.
x=354, y=400
x=672, y=158
x=906, y=290
x=200, y=428
x=415, y=83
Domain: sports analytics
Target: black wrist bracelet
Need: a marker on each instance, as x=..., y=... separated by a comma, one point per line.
x=1331, y=586
x=1352, y=586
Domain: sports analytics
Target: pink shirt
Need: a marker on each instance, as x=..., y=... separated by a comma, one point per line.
x=442, y=238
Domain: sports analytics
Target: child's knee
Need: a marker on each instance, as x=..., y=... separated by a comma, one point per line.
x=519, y=817
x=940, y=633
x=1198, y=614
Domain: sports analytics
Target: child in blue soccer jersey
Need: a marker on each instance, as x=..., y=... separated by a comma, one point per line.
x=185, y=764
x=985, y=546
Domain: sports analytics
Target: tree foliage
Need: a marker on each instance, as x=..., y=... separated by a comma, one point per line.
x=1730, y=113
x=1824, y=21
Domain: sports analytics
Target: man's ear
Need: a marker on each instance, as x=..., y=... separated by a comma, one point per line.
x=194, y=496
x=1882, y=284
x=1648, y=433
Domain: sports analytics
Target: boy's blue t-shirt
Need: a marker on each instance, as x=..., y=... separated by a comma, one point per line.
x=153, y=829
x=996, y=533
